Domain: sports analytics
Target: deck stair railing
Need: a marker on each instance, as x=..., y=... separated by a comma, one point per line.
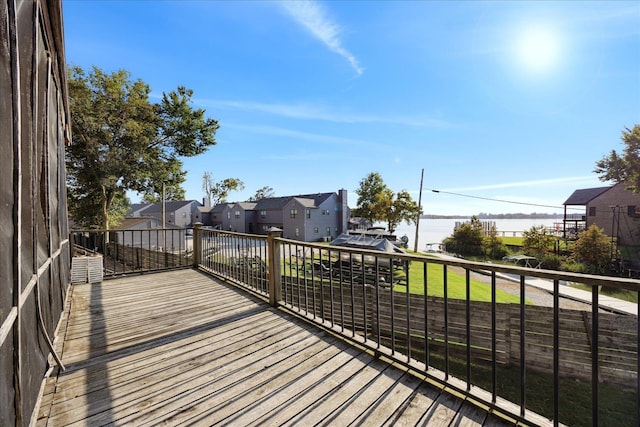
x=431, y=315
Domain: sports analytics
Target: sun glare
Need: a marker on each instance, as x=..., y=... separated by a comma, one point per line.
x=538, y=49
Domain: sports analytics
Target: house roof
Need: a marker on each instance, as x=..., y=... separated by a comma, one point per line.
x=169, y=206
x=247, y=206
x=220, y=207
x=138, y=207
x=584, y=196
x=307, y=203
x=129, y=223
x=311, y=200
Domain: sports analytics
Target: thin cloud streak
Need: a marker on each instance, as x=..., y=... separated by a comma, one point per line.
x=313, y=18
x=306, y=112
x=278, y=131
x=534, y=183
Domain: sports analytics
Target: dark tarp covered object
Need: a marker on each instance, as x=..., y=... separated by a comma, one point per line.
x=34, y=245
x=368, y=243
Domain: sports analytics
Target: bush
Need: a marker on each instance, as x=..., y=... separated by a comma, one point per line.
x=497, y=252
x=593, y=248
x=552, y=261
x=573, y=266
x=456, y=247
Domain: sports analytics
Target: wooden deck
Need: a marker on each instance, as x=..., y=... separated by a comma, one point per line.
x=180, y=347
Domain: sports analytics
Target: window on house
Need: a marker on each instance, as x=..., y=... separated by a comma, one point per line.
x=316, y=230
x=263, y=214
x=228, y=215
x=237, y=214
x=308, y=212
x=293, y=214
x=184, y=214
x=592, y=211
x=328, y=231
x=297, y=231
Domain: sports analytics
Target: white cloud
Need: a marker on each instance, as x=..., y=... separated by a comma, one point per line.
x=534, y=183
x=312, y=16
x=307, y=136
x=308, y=112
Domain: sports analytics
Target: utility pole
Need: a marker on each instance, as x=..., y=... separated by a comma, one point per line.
x=163, y=211
x=415, y=243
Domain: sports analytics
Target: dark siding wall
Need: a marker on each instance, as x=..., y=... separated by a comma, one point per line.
x=34, y=247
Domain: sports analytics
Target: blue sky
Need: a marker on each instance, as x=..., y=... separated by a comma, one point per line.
x=511, y=101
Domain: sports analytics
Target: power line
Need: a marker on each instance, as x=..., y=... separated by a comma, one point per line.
x=500, y=200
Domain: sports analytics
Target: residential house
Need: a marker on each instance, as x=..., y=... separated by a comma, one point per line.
x=137, y=209
x=308, y=217
x=614, y=209
x=181, y=213
x=241, y=217
x=219, y=216
x=202, y=215
x=148, y=233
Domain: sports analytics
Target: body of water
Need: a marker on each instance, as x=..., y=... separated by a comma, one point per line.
x=433, y=231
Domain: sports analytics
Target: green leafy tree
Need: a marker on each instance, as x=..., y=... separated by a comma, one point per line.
x=467, y=239
x=593, y=248
x=493, y=245
x=123, y=142
x=265, y=192
x=217, y=192
x=166, y=180
x=369, y=191
x=623, y=167
x=396, y=208
x=537, y=242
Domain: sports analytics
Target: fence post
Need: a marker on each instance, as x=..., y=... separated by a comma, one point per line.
x=197, y=244
x=273, y=257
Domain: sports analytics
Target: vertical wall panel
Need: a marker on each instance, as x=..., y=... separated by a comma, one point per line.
x=7, y=209
x=33, y=232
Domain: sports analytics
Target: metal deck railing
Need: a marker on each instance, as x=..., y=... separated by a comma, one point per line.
x=135, y=251
x=431, y=315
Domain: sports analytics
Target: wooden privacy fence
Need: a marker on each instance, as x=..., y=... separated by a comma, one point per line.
x=380, y=312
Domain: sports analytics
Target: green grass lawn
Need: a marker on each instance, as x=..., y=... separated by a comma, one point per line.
x=456, y=285
x=456, y=282
x=512, y=240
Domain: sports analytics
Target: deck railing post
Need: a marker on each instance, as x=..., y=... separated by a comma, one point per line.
x=197, y=243
x=273, y=257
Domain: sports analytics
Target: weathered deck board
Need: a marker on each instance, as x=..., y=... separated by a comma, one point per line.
x=180, y=347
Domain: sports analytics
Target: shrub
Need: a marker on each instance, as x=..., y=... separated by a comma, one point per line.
x=593, y=248
x=497, y=252
x=552, y=261
x=573, y=266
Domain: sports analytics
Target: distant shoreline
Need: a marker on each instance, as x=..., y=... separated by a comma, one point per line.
x=497, y=216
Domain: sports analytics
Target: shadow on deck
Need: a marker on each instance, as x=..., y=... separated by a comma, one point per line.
x=181, y=347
